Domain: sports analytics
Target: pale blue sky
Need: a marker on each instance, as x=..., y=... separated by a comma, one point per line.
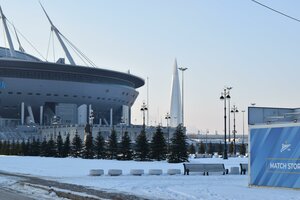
x=222, y=42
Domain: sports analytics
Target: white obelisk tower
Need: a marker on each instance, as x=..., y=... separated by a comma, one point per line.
x=175, y=111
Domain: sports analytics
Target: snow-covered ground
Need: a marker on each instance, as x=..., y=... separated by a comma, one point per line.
x=194, y=186
x=10, y=184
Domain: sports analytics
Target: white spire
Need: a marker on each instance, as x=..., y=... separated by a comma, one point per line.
x=175, y=111
x=57, y=33
x=11, y=46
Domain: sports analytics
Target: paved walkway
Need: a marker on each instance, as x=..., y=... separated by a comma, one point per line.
x=12, y=195
x=97, y=193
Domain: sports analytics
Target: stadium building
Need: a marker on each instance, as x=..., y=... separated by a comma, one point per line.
x=41, y=93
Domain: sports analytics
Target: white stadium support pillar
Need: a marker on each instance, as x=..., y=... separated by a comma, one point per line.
x=82, y=114
x=91, y=115
x=125, y=115
x=41, y=115
x=105, y=122
x=22, y=113
x=30, y=114
x=111, y=117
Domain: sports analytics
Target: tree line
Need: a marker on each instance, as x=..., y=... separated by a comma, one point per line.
x=98, y=148
x=211, y=148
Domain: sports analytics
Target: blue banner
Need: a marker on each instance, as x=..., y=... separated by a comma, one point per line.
x=275, y=157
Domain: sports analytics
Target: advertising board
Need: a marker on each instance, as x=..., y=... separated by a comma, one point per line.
x=275, y=156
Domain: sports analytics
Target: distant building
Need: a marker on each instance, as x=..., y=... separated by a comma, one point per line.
x=175, y=110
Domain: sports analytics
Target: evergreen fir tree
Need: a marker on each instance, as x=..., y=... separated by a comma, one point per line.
x=126, y=147
x=59, y=145
x=4, y=146
x=51, y=148
x=31, y=146
x=28, y=148
x=178, y=147
x=192, y=149
x=23, y=148
x=76, y=148
x=35, y=147
x=18, y=148
x=142, y=147
x=242, y=149
x=99, y=146
x=66, y=147
x=158, y=146
x=202, y=148
x=7, y=150
x=13, y=148
x=1, y=147
x=220, y=148
x=231, y=148
x=43, y=149
x=88, y=151
x=112, y=145
x=210, y=148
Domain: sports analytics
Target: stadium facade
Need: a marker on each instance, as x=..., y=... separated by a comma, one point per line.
x=38, y=92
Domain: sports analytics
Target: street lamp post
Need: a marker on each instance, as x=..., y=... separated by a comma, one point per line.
x=182, y=69
x=225, y=95
x=143, y=109
x=234, y=110
x=229, y=127
x=168, y=117
x=243, y=111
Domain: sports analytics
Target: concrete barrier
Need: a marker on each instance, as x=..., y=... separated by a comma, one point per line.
x=234, y=170
x=137, y=172
x=114, y=172
x=155, y=172
x=173, y=171
x=96, y=172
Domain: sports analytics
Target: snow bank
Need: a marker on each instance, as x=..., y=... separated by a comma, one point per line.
x=195, y=186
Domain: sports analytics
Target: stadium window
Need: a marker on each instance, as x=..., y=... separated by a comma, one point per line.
x=10, y=92
x=89, y=97
x=74, y=96
x=66, y=95
x=55, y=95
x=37, y=94
x=29, y=93
x=19, y=93
x=48, y=94
x=107, y=90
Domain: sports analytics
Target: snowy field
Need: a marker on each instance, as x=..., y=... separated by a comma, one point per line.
x=194, y=186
